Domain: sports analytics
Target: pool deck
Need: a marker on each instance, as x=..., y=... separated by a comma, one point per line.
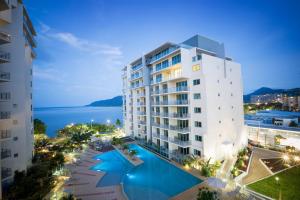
x=83, y=181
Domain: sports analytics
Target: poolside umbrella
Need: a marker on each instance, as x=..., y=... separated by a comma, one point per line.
x=216, y=183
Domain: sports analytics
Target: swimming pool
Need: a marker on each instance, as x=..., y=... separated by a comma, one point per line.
x=155, y=179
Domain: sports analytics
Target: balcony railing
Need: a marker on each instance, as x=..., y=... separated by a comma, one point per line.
x=5, y=153
x=171, y=115
x=170, y=90
x=164, y=126
x=180, y=142
x=142, y=122
x=163, y=137
x=170, y=102
x=6, y=172
x=153, y=59
x=156, y=135
x=179, y=129
x=4, y=96
x=4, y=37
x=4, y=115
x=141, y=95
x=4, y=57
x=141, y=113
x=5, y=134
x=4, y=76
x=141, y=103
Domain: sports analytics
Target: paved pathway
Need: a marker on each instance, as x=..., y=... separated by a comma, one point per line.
x=257, y=170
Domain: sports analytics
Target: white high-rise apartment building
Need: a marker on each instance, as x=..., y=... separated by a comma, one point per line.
x=17, y=45
x=186, y=99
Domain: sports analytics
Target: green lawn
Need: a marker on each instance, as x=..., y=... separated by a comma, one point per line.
x=289, y=183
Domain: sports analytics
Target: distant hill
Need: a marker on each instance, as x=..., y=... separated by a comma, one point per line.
x=265, y=90
x=116, y=101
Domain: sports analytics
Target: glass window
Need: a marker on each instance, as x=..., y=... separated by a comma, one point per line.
x=197, y=152
x=165, y=64
x=198, y=138
x=196, y=68
x=176, y=59
x=158, y=67
x=197, y=110
x=198, y=124
x=196, y=82
x=194, y=58
x=197, y=96
x=199, y=57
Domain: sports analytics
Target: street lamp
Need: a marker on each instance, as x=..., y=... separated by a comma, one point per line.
x=92, y=123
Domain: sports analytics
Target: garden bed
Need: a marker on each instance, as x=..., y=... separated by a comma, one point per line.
x=242, y=163
x=275, y=164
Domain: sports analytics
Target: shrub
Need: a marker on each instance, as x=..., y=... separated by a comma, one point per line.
x=205, y=194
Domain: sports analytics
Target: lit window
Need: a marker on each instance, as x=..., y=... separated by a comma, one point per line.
x=196, y=68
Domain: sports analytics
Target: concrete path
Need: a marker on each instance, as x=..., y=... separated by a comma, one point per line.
x=257, y=170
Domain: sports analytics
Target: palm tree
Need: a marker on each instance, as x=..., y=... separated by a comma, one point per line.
x=132, y=154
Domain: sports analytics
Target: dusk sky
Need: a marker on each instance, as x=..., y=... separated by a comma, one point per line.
x=82, y=45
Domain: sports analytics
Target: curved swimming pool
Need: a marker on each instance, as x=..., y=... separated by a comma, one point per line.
x=155, y=179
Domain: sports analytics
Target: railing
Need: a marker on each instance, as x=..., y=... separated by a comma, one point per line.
x=164, y=126
x=171, y=90
x=4, y=56
x=141, y=113
x=29, y=34
x=153, y=59
x=5, y=153
x=156, y=135
x=171, y=115
x=176, y=102
x=4, y=96
x=133, y=77
x=5, y=76
x=5, y=115
x=5, y=36
x=177, y=156
x=141, y=95
x=5, y=172
x=5, y=134
x=141, y=103
x=180, y=142
x=142, y=122
x=163, y=137
x=180, y=129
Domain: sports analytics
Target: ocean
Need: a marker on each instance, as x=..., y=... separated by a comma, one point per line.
x=58, y=117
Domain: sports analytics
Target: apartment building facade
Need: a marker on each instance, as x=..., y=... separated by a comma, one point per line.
x=17, y=45
x=185, y=99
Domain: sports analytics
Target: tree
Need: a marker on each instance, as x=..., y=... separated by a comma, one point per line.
x=132, y=153
x=205, y=194
x=118, y=122
x=39, y=126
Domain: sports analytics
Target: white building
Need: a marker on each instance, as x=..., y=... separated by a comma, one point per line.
x=16, y=55
x=186, y=98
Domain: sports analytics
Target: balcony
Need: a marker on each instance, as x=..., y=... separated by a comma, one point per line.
x=170, y=102
x=155, y=135
x=172, y=115
x=141, y=95
x=5, y=153
x=5, y=172
x=180, y=129
x=4, y=76
x=163, y=137
x=142, y=122
x=180, y=142
x=4, y=96
x=163, y=126
x=134, y=77
x=5, y=134
x=141, y=113
x=28, y=35
x=4, y=37
x=141, y=103
x=170, y=90
x=4, y=57
x=4, y=5
x=156, y=58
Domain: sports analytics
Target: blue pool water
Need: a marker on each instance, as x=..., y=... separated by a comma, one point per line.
x=155, y=179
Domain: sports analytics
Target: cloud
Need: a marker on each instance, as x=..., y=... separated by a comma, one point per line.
x=48, y=73
x=82, y=44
